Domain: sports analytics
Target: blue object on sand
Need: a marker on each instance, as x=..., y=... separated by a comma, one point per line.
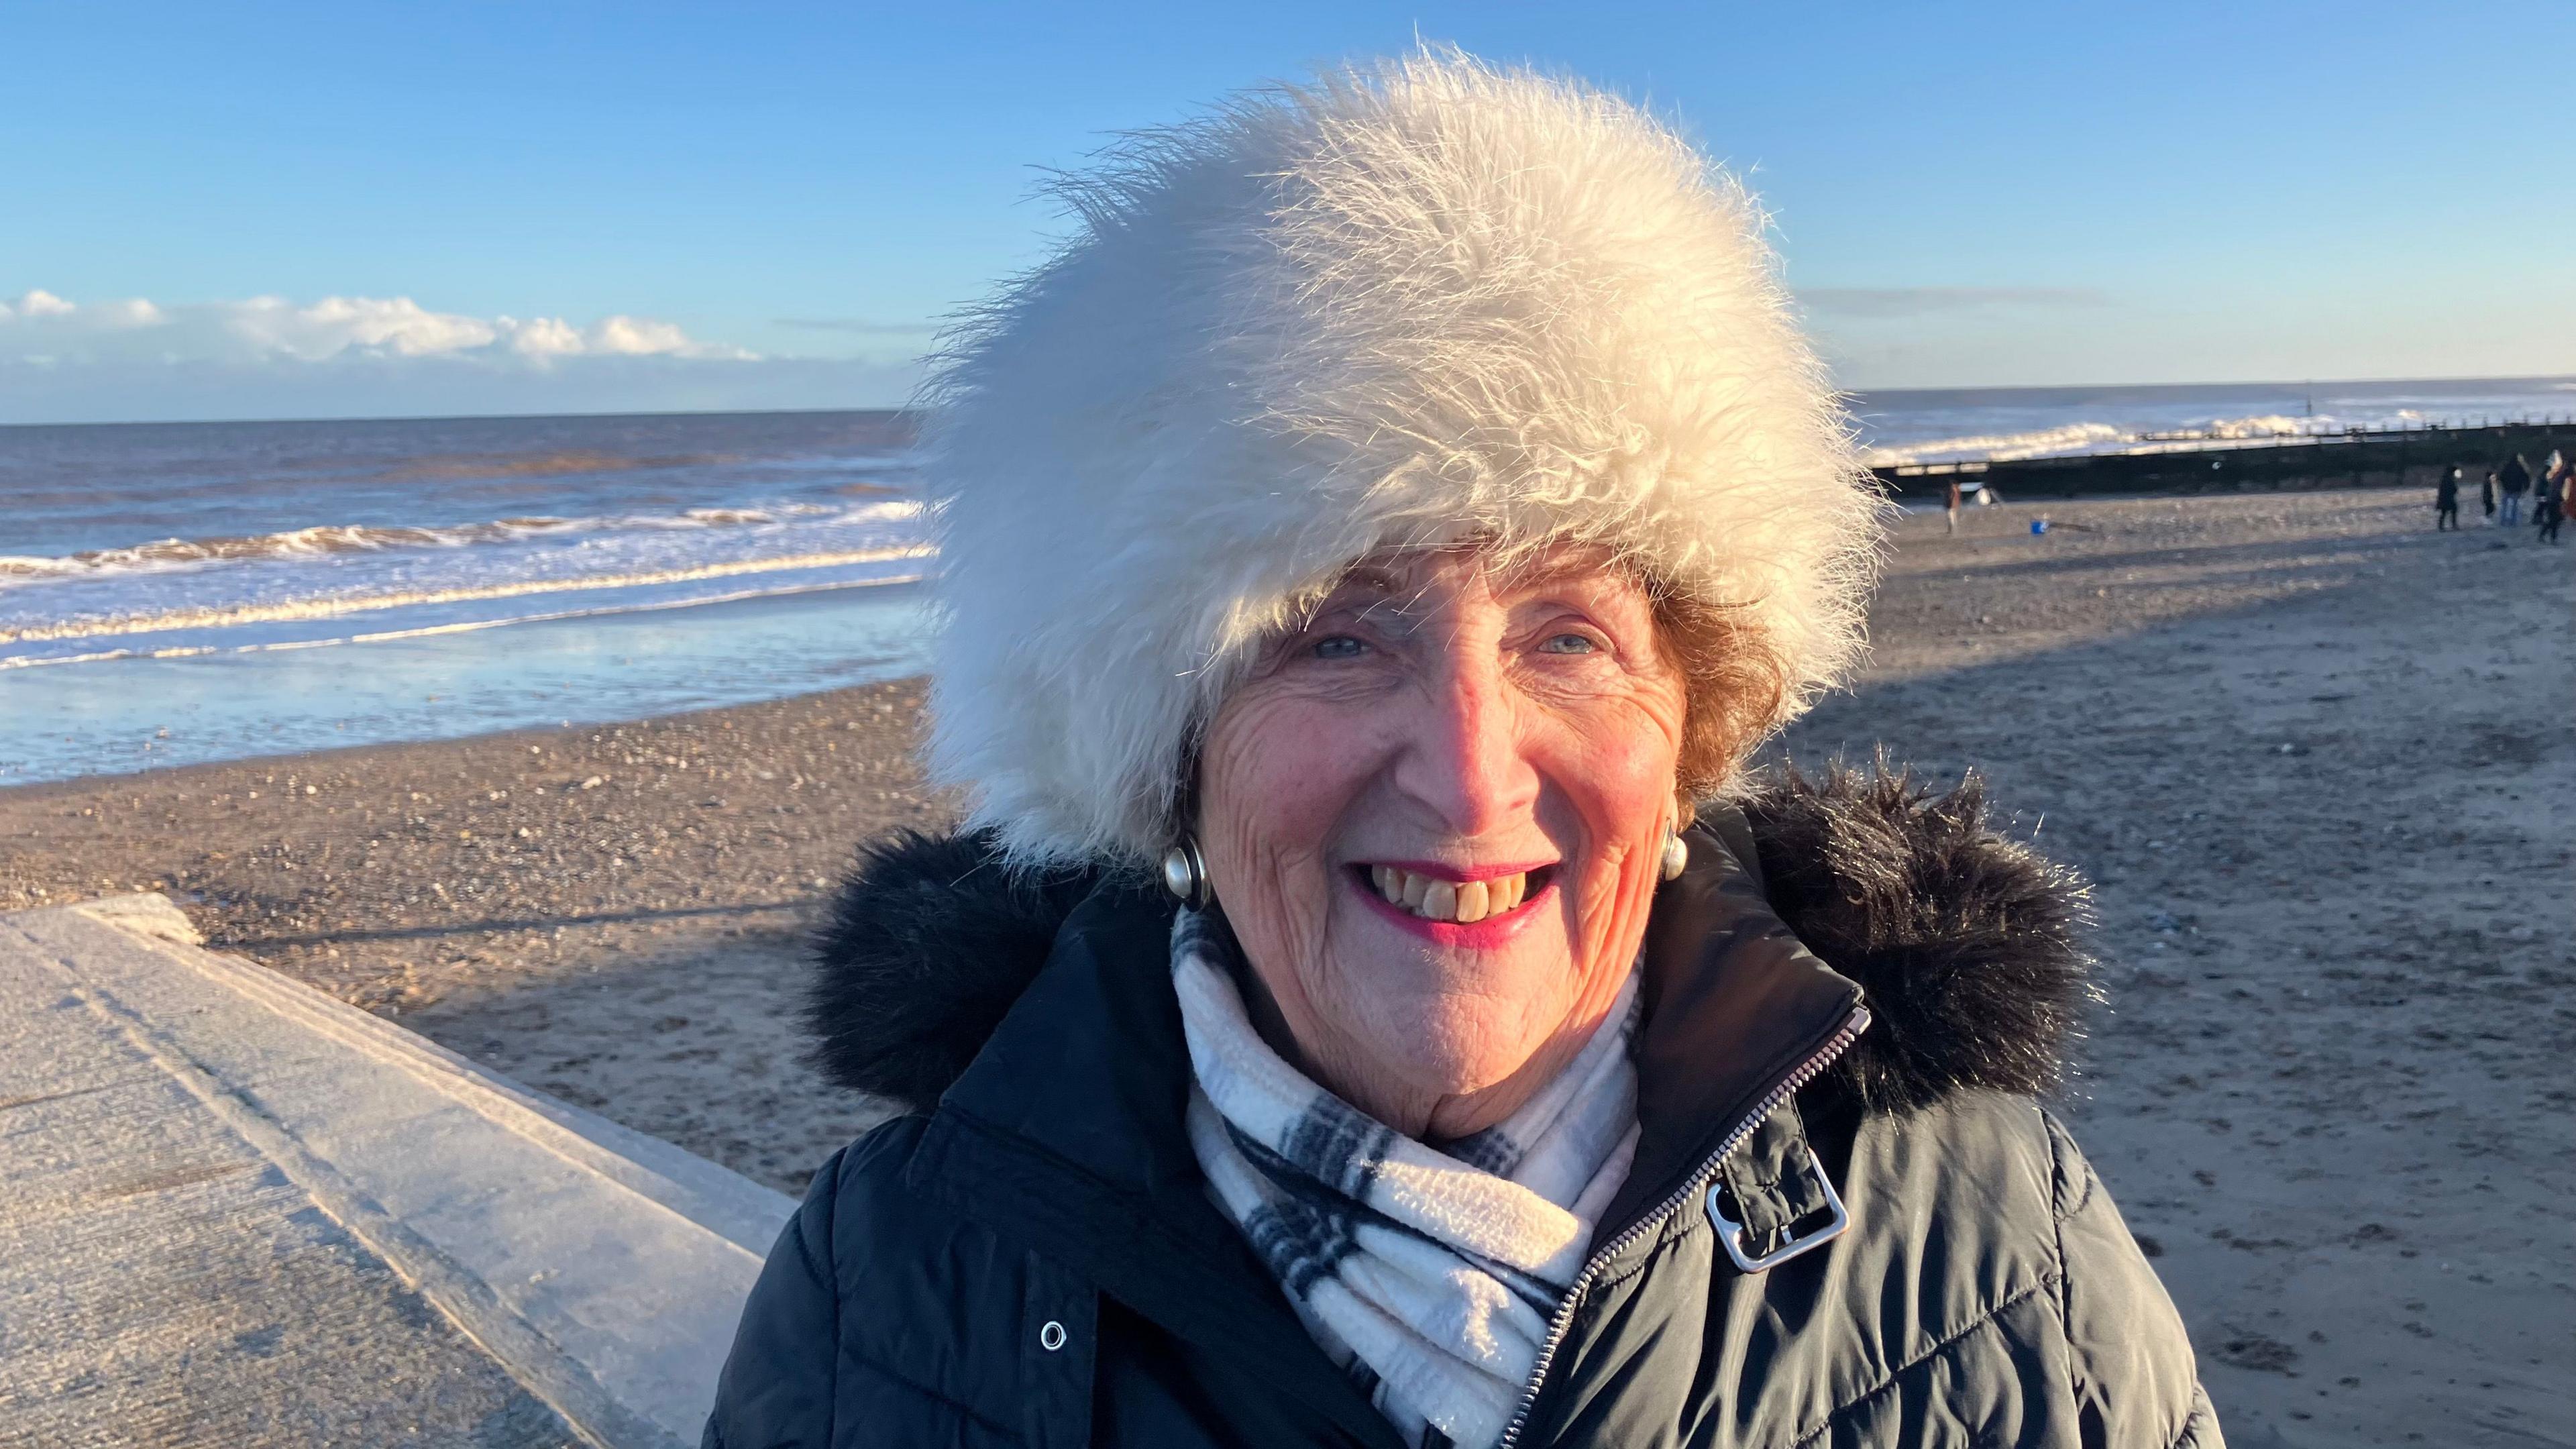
x=2039, y=525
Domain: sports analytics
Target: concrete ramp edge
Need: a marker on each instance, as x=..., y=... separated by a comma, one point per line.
x=602, y=1268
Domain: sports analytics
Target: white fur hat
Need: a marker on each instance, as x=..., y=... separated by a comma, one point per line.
x=1413, y=304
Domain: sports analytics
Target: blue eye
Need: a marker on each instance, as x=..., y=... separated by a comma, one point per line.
x=1568, y=644
x=1339, y=646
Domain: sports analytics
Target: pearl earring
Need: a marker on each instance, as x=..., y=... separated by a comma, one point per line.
x=1676, y=855
x=1185, y=874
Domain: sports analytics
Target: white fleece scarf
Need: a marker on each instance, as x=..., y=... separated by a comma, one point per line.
x=1429, y=1275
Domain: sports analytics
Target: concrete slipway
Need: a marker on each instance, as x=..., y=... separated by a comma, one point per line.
x=236, y=1212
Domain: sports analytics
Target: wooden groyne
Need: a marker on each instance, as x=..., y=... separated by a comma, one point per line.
x=2204, y=463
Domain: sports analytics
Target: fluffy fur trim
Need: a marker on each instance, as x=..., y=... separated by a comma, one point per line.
x=1416, y=304
x=1969, y=945
x=929, y=942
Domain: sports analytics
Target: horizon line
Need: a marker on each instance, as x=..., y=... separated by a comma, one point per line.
x=2286, y=384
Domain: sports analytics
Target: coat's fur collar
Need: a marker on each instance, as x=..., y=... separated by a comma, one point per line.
x=1968, y=944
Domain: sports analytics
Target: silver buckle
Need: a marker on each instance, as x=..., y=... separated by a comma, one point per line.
x=1731, y=1233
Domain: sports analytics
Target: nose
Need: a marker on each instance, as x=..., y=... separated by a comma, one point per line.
x=1464, y=759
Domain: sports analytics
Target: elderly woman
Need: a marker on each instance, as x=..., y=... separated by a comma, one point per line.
x=1370, y=1007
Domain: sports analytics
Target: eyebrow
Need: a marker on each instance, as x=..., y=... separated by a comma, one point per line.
x=1378, y=597
x=1375, y=580
x=1536, y=574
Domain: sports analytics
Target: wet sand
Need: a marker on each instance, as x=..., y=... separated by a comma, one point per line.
x=2319, y=760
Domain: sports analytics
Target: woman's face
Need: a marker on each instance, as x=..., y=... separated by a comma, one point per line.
x=1434, y=818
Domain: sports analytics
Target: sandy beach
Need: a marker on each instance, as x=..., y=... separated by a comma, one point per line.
x=612, y=914
x=2318, y=759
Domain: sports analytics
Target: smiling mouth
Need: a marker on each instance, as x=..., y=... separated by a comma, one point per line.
x=1431, y=898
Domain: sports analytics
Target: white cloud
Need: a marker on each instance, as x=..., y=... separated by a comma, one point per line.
x=271, y=357
x=132, y=312
x=544, y=337
x=266, y=330
x=636, y=337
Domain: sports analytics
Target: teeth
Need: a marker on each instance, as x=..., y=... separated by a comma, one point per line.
x=1440, y=900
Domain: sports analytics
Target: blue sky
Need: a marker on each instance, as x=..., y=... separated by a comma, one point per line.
x=266, y=210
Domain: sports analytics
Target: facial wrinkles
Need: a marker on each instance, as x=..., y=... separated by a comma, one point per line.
x=1454, y=736
x=1604, y=916
x=1476, y=771
x=1269, y=880
x=1445, y=744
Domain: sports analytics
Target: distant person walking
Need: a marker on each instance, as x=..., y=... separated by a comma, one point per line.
x=2486, y=496
x=2514, y=479
x=2551, y=505
x=2446, y=501
x=1950, y=504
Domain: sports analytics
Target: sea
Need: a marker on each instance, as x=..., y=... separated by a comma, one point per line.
x=173, y=593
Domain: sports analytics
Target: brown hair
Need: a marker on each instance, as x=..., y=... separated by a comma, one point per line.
x=1734, y=677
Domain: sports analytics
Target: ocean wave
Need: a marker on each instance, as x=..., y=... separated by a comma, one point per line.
x=2067, y=438
x=460, y=626
x=2264, y=425
x=339, y=605
x=2096, y=437
x=170, y=554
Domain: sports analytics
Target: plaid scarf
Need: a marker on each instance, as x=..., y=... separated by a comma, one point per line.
x=1427, y=1274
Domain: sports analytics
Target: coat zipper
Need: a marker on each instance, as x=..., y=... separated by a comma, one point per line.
x=1806, y=1072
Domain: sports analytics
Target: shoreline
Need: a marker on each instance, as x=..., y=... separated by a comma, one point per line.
x=599, y=911
x=625, y=656
x=2315, y=757
x=1982, y=524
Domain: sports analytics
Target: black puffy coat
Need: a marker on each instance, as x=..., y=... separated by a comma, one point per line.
x=1032, y=1259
